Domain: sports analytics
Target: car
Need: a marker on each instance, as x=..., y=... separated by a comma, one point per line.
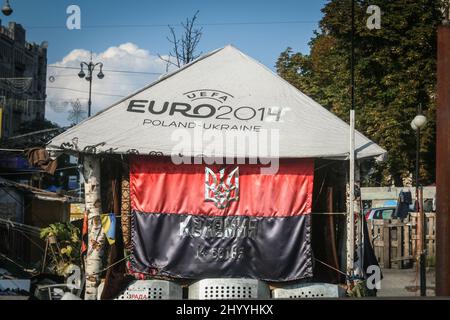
x=384, y=213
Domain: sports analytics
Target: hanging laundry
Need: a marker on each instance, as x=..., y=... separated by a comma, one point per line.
x=403, y=204
x=109, y=227
x=39, y=157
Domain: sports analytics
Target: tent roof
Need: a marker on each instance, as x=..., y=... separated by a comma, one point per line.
x=239, y=107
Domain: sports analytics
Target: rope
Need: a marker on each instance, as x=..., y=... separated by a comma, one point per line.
x=31, y=241
x=109, y=267
x=36, y=132
x=325, y=165
x=12, y=261
x=331, y=267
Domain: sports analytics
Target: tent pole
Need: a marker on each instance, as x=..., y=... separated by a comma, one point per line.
x=96, y=237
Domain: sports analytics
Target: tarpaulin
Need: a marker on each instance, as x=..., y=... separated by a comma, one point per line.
x=224, y=93
x=196, y=221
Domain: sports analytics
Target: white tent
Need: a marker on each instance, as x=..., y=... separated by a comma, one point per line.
x=222, y=95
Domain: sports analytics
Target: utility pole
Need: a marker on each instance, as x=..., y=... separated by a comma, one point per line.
x=442, y=160
x=351, y=209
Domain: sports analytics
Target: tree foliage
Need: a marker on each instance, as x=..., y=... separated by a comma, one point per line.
x=395, y=73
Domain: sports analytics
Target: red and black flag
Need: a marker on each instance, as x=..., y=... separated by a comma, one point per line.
x=84, y=234
x=198, y=221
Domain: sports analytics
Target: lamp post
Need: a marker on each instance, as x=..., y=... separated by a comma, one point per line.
x=90, y=69
x=417, y=124
x=6, y=9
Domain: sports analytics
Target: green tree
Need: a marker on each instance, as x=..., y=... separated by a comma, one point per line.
x=395, y=72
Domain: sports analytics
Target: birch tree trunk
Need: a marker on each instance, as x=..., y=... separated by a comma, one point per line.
x=353, y=230
x=96, y=236
x=359, y=237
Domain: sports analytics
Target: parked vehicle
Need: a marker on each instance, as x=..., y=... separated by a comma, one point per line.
x=385, y=213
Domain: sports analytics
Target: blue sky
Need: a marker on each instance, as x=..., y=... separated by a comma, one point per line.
x=45, y=20
x=263, y=42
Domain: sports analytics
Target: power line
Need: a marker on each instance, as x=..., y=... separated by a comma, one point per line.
x=259, y=23
x=108, y=70
x=214, y=24
x=81, y=91
x=34, y=133
x=74, y=77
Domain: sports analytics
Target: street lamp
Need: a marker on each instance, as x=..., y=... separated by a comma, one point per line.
x=417, y=124
x=90, y=69
x=6, y=9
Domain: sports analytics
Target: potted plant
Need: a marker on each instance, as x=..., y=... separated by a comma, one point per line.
x=66, y=239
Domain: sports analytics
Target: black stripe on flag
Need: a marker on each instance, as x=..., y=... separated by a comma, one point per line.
x=195, y=246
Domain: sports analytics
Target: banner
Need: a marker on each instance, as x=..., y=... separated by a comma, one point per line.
x=198, y=221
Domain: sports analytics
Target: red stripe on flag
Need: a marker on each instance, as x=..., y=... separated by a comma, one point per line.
x=159, y=186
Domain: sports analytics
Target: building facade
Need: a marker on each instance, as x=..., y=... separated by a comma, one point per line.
x=23, y=72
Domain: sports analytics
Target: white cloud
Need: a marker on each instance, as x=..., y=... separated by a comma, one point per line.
x=67, y=86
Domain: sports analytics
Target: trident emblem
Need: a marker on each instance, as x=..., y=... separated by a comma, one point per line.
x=219, y=190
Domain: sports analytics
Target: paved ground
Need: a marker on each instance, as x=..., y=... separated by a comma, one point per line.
x=405, y=283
